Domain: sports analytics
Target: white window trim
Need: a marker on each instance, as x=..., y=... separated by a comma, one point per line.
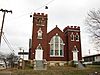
x=72, y=37
x=38, y=33
x=58, y=48
x=39, y=46
x=78, y=36
x=54, y=45
x=56, y=56
x=40, y=25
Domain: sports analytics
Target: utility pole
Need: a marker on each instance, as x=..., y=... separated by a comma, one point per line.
x=4, y=11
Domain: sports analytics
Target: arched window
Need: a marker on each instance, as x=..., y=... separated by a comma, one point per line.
x=56, y=46
x=39, y=47
x=72, y=36
x=77, y=37
x=39, y=20
x=39, y=33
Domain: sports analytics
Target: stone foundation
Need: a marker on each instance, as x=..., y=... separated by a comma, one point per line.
x=56, y=63
x=40, y=65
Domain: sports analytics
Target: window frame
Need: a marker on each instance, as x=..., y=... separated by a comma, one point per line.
x=72, y=36
x=39, y=32
x=60, y=43
x=77, y=36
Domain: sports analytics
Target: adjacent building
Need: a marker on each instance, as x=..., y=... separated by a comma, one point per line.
x=91, y=58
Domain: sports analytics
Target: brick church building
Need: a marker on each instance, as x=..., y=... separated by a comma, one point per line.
x=56, y=45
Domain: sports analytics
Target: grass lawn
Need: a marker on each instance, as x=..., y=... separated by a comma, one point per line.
x=65, y=70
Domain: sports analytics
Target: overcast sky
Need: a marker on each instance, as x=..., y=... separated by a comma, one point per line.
x=18, y=25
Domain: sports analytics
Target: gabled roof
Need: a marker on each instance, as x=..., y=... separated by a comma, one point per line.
x=55, y=29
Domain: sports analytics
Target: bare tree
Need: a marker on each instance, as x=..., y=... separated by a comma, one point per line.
x=12, y=59
x=3, y=58
x=93, y=26
x=9, y=59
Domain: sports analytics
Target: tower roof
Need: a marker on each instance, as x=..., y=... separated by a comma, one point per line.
x=71, y=28
x=40, y=14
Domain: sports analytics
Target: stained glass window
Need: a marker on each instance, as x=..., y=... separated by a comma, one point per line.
x=51, y=52
x=61, y=52
x=56, y=46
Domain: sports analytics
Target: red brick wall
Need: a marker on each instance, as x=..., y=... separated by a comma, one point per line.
x=70, y=44
x=35, y=41
x=65, y=35
x=62, y=35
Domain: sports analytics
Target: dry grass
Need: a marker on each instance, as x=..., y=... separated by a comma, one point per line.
x=65, y=70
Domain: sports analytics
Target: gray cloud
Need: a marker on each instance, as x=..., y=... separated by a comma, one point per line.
x=18, y=26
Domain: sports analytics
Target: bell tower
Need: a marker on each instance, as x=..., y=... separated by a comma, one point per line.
x=39, y=35
x=73, y=41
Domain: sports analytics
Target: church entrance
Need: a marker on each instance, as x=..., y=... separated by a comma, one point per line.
x=75, y=55
x=38, y=54
x=39, y=62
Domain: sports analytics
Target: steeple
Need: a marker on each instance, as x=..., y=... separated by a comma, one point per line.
x=39, y=33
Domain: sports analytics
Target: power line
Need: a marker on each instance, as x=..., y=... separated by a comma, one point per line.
x=50, y=2
x=43, y=6
x=6, y=11
x=8, y=43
